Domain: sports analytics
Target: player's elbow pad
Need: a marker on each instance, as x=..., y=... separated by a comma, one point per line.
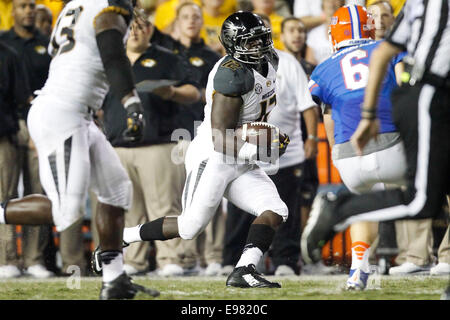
x=115, y=62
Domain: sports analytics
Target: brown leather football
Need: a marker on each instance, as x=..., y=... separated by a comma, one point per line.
x=258, y=133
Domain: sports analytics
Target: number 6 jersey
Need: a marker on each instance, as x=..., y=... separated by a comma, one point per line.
x=340, y=82
x=76, y=74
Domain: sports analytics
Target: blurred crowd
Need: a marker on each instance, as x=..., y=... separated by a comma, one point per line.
x=185, y=47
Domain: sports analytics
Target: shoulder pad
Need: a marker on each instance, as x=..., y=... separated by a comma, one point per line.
x=122, y=7
x=233, y=78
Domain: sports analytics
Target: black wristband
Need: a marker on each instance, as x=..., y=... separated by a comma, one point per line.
x=368, y=113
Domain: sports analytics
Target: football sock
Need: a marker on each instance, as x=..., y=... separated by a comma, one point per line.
x=250, y=256
x=259, y=238
x=360, y=256
x=152, y=230
x=132, y=234
x=112, y=262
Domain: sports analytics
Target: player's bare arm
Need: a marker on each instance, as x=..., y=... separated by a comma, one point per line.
x=369, y=126
x=225, y=115
x=310, y=117
x=329, y=125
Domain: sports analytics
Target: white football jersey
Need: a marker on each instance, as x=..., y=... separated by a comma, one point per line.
x=76, y=74
x=231, y=77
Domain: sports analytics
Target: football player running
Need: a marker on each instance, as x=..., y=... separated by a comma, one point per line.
x=338, y=84
x=240, y=90
x=87, y=46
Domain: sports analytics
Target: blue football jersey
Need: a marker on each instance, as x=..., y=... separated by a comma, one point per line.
x=340, y=82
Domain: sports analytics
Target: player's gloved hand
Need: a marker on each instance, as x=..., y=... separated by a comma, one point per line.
x=135, y=123
x=283, y=143
x=277, y=149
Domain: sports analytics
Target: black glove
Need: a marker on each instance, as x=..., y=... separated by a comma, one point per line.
x=283, y=143
x=277, y=149
x=135, y=123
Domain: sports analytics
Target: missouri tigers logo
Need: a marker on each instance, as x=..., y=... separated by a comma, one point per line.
x=231, y=64
x=148, y=63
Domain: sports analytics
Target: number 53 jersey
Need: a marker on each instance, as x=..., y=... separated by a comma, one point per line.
x=76, y=72
x=340, y=82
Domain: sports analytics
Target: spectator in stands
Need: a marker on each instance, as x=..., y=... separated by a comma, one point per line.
x=44, y=20
x=166, y=13
x=212, y=24
x=293, y=36
x=54, y=6
x=318, y=41
x=31, y=47
x=6, y=18
x=14, y=94
x=157, y=180
x=267, y=7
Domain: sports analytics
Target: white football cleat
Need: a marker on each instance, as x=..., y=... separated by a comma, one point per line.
x=357, y=279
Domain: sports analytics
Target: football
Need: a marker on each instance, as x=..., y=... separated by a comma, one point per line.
x=259, y=133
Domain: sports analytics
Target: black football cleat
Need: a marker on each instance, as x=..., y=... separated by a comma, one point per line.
x=319, y=229
x=96, y=260
x=123, y=288
x=248, y=277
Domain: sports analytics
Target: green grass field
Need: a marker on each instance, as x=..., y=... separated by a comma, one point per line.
x=204, y=288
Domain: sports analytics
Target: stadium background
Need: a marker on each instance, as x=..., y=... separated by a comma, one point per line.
x=162, y=13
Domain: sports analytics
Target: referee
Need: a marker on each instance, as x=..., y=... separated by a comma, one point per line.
x=421, y=112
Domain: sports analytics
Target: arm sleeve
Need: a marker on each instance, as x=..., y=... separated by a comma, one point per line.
x=398, y=58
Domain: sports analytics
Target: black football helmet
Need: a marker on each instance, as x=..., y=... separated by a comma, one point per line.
x=246, y=38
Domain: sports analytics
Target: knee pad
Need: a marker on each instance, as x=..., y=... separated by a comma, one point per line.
x=120, y=196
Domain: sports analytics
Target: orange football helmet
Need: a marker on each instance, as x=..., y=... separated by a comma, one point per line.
x=351, y=25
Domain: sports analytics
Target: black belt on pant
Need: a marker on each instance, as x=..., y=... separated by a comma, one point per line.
x=436, y=81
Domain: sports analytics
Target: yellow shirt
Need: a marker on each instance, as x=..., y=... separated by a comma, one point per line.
x=6, y=19
x=275, y=21
x=165, y=13
x=211, y=28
